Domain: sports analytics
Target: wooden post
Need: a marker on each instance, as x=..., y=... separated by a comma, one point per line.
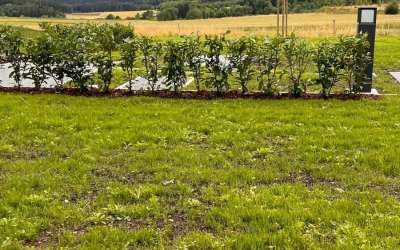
x=283, y=17
x=277, y=15
x=286, y=18
x=334, y=27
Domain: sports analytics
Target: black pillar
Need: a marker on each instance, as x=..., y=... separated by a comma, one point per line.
x=367, y=24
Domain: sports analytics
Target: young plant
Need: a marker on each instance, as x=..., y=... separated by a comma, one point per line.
x=39, y=52
x=218, y=68
x=195, y=58
x=56, y=35
x=268, y=60
x=241, y=56
x=298, y=57
x=155, y=65
x=102, y=58
x=329, y=65
x=152, y=52
x=76, y=49
x=174, y=60
x=129, y=50
x=355, y=59
x=13, y=46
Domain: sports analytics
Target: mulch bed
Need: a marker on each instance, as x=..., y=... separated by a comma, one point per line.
x=184, y=94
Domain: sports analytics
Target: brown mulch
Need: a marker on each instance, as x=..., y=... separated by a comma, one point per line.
x=184, y=94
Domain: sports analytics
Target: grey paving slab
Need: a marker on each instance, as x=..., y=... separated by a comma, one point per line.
x=141, y=83
x=396, y=75
x=7, y=82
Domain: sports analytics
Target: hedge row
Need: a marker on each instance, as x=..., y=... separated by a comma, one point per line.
x=291, y=64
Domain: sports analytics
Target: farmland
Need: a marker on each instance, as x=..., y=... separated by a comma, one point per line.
x=152, y=173
x=307, y=25
x=102, y=15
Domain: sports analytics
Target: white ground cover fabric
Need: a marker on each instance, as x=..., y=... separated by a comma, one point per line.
x=7, y=82
x=396, y=75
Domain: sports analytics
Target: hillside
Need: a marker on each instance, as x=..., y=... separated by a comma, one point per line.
x=169, y=9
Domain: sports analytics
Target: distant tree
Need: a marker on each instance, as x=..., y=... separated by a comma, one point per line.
x=110, y=17
x=392, y=9
x=168, y=14
x=148, y=15
x=194, y=13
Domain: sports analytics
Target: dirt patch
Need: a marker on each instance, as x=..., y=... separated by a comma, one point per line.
x=304, y=177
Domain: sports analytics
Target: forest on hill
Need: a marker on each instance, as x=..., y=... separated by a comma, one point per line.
x=166, y=9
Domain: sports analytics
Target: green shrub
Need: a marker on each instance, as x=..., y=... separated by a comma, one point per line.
x=217, y=66
x=268, y=61
x=174, y=68
x=129, y=50
x=392, y=9
x=355, y=60
x=241, y=57
x=298, y=54
x=329, y=65
x=194, y=57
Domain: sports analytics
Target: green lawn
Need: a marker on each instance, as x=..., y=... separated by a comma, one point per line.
x=154, y=173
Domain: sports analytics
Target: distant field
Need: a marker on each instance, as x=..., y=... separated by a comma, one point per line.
x=308, y=25
x=99, y=15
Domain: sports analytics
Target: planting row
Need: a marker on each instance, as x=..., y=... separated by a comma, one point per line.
x=292, y=64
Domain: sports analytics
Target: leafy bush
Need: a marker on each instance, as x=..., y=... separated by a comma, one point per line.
x=12, y=47
x=392, y=9
x=355, y=60
x=129, y=50
x=152, y=52
x=241, y=57
x=39, y=54
x=217, y=66
x=268, y=60
x=329, y=65
x=195, y=57
x=174, y=69
x=78, y=66
x=298, y=54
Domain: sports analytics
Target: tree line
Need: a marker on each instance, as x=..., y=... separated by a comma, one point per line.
x=33, y=8
x=291, y=64
x=166, y=9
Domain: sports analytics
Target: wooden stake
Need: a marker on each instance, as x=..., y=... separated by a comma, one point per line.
x=277, y=15
x=283, y=17
x=286, y=18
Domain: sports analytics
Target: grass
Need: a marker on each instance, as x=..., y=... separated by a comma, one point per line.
x=152, y=173
x=308, y=25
